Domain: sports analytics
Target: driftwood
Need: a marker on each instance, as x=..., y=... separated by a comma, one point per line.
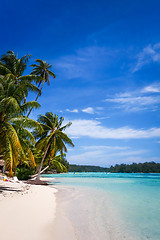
x=40, y=172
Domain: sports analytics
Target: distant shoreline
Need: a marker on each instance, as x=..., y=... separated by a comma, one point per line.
x=147, y=167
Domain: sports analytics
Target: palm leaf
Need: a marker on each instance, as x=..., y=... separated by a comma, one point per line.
x=28, y=105
x=26, y=123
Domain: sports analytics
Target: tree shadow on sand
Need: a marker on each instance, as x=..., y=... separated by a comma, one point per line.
x=7, y=189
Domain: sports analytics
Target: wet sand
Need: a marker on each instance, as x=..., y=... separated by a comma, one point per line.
x=83, y=213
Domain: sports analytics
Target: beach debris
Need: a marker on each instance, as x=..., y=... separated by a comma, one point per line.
x=5, y=179
x=16, y=180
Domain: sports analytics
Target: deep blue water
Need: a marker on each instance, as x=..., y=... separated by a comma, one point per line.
x=136, y=197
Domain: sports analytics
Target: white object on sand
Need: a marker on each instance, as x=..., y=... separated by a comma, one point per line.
x=15, y=180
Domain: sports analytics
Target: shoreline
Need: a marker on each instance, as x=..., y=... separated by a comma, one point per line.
x=80, y=212
x=35, y=212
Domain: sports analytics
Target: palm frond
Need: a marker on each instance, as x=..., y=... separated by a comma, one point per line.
x=66, y=126
x=30, y=78
x=26, y=123
x=3, y=69
x=24, y=133
x=66, y=139
x=52, y=74
x=9, y=104
x=28, y=105
x=45, y=119
x=29, y=155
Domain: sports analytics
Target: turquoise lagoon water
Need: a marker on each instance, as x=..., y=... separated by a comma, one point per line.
x=136, y=198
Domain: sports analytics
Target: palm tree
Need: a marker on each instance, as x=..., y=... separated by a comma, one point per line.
x=13, y=126
x=53, y=138
x=14, y=65
x=12, y=68
x=42, y=70
x=13, y=145
x=60, y=163
x=11, y=98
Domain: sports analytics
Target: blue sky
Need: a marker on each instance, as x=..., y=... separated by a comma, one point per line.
x=106, y=57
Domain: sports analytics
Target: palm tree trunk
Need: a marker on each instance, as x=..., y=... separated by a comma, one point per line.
x=44, y=169
x=40, y=168
x=35, y=99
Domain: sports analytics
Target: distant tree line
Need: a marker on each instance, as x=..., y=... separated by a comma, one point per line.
x=85, y=168
x=147, y=167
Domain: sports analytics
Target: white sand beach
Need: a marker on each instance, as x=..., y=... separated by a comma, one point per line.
x=27, y=212
x=35, y=212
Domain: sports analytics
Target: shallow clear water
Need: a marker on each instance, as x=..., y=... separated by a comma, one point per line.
x=136, y=198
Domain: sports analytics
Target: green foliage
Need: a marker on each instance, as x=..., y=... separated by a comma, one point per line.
x=85, y=168
x=42, y=69
x=52, y=139
x=59, y=164
x=24, y=172
x=17, y=143
x=15, y=139
x=147, y=167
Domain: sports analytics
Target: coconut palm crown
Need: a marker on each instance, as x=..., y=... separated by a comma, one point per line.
x=12, y=69
x=42, y=71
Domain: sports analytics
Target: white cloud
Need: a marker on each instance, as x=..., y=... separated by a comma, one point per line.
x=135, y=100
x=85, y=62
x=90, y=157
x=101, y=118
x=149, y=54
x=137, y=103
x=104, y=148
x=73, y=111
x=142, y=99
x=103, y=157
x=94, y=129
x=154, y=88
x=89, y=110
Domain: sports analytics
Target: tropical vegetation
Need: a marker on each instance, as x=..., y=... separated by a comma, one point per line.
x=24, y=142
x=147, y=167
x=53, y=139
x=86, y=168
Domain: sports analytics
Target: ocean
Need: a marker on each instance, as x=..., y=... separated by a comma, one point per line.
x=114, y=206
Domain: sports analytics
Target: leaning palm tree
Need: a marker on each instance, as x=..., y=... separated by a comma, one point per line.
x=53, y=138
x=42, y=70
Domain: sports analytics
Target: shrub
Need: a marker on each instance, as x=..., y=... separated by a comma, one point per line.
x=24, y=172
